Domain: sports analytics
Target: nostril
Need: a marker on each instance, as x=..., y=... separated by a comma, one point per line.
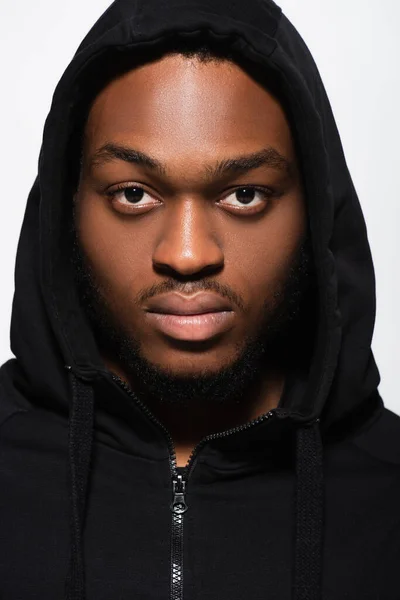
x=202, y=257
x=182, y=270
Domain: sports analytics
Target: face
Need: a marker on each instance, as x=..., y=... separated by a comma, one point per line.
x=189, y=190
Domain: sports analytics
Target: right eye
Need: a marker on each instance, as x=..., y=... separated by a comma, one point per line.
x=131, y=199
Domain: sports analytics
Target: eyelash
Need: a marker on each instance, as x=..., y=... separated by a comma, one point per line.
x=266, y=192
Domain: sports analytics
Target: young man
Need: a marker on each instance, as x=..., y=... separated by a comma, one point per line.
x=193, y=410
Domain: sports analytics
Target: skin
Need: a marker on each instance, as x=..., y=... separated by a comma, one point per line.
x=188, y=115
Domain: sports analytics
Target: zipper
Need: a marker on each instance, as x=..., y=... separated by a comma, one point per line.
x=178, y=507
x=180, y=477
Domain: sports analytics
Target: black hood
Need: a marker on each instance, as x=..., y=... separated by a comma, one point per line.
x=49, y=329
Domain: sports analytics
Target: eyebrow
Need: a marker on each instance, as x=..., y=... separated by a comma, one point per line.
x=269, y=157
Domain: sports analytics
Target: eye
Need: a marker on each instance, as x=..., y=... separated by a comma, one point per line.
x=247, y=199
x=131, y=198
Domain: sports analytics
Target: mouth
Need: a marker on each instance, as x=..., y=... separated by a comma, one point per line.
x=191, y=318
x=192, y=327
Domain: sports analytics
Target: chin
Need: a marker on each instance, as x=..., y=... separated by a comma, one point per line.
x=192, y=359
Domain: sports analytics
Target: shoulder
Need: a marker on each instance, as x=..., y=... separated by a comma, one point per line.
x=12, y=402
x=382, y=439
x=26, y=424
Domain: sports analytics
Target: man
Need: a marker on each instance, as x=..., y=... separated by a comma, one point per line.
x=193, y=410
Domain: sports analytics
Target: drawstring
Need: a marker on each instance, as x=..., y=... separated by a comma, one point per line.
x=309, y=513
x=80, y=449
x=309, y=497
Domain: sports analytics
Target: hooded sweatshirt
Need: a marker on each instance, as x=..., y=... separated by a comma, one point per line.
x=302, y=503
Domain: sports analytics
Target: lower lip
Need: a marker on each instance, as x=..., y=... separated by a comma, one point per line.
x=192, y=327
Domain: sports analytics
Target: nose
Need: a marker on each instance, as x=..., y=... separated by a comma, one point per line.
x=188, y=244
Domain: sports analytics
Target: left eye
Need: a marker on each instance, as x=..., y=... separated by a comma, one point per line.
x=130, y=195
x=247, y=196
x=132, y=199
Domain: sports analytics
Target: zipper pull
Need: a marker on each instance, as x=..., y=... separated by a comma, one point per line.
x=178, y=505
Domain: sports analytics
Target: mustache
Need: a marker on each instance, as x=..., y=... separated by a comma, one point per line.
x=203, y=285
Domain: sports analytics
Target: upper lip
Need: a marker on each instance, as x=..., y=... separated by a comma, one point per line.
x=177, y=304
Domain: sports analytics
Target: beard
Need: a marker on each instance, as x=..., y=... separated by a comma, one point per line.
x=284, y=340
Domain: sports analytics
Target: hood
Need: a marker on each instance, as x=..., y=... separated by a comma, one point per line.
x=48, y=327
x=49, y=330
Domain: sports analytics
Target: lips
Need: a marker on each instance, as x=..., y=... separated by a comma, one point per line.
x=176, y=304
x=190, y=318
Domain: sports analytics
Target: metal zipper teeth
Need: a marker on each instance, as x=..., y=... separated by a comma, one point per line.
x=178, y=507
x=179, y=482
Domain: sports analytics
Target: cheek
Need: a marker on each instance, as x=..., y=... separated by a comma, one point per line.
x=117, y=252
x=263, y=253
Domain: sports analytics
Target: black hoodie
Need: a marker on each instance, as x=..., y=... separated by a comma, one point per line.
x=302, y=503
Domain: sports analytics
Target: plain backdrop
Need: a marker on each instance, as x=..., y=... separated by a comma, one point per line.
x=356, y=47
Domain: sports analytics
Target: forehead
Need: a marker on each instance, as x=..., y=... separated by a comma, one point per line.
x=176, y=104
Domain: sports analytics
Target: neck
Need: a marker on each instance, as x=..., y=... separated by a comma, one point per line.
x=188, y=424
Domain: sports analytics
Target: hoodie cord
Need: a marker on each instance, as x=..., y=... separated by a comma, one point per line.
x=80, y=449
x=309, y=513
